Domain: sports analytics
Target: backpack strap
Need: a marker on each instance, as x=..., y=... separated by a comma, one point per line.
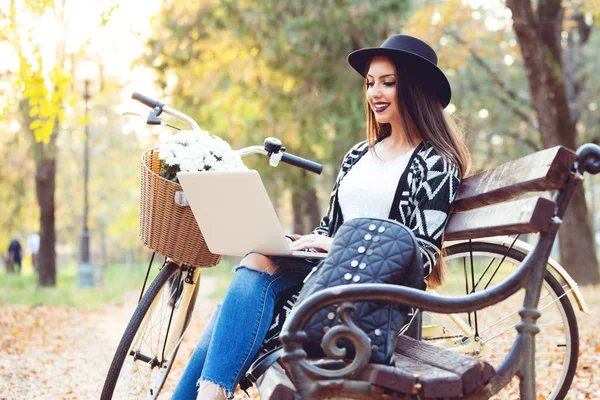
x=259, y=366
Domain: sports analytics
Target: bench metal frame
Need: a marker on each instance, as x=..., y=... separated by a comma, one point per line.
x=312, y=381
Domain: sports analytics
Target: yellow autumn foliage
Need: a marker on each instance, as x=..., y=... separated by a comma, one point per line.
x=432, y=22
x=45, y=93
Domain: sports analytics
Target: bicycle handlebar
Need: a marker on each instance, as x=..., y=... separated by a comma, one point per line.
x=146, y=100
x=272, y=146
x=302, y=163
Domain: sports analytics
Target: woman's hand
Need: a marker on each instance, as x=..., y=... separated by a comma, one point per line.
x=319, y=243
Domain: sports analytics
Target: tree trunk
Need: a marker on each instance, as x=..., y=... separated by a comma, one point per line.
x=45, y=181
x=539, y=40
x=576, y=219
x=305, y=206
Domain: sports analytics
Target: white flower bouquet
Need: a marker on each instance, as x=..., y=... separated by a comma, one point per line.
x=191, y=151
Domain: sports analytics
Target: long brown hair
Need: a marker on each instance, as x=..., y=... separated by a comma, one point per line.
x=423, y=116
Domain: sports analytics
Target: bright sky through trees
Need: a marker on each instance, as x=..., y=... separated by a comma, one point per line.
x=116, y=44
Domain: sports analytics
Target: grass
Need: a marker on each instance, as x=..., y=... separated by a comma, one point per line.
x=118, y=280
x=23, y=289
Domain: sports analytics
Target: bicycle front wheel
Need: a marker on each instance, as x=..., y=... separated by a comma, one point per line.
x=149, y=345
x=489, y=333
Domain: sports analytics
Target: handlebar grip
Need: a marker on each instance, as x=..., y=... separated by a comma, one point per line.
x=145, y=100
x=302, y=163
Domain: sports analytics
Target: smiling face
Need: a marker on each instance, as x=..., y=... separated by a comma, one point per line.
x=382, y=90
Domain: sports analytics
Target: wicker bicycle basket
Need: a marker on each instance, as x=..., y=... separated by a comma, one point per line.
x=165, y=227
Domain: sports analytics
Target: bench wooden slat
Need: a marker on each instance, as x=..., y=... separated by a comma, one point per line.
x=419, y=368
x=405, y=374
x=434, y=382
x=518, y=216
x=473, y=372
x=388, y=377
x=541, y=171
x=402, y=377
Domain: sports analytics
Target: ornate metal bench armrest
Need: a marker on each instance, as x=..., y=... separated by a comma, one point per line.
x=306, y=374
x=404, y=296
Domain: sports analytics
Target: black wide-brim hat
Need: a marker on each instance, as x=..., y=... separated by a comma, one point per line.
x=401, y=48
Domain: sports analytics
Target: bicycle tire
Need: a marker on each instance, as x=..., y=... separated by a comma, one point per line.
x=160, y=284
x=557, y=301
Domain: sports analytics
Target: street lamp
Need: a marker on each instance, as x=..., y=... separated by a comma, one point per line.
x=86, y=71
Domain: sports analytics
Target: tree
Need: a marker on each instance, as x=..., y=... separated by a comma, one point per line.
x=15, y=172
x=274, y=68
x=44, y=91
x=486, y=75
x=40, y=90
x=539, y=33
x=490, y=76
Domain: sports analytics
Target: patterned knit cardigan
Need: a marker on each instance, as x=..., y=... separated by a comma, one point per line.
x=422, y=200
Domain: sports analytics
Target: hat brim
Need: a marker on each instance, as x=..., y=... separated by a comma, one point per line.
x=360, y=59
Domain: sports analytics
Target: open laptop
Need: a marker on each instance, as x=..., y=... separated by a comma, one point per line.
x=235, y=214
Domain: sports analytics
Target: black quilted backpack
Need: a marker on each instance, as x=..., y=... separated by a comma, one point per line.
x=366, y=250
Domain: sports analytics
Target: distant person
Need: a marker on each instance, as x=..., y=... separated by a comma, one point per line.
x=33, y=246
x=15, y=256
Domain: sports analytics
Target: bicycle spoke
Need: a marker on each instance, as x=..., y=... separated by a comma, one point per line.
x=515, y=324
x=466, y=284
x=497, y=350
x=473, y=286
x=556, y=323
x=499, y=321
x=516, y=313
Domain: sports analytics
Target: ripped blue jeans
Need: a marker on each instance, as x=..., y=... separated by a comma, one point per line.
x=237, y=328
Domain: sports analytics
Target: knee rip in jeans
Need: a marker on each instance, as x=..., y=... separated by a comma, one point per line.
x=268, y=265
x=268, y=271
x=210, y=388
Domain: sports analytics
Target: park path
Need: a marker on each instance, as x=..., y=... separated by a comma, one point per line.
x=58, y=353
x=64, y=353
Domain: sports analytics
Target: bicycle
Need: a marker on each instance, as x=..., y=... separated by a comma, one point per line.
x=489, y=333
x=146, y=352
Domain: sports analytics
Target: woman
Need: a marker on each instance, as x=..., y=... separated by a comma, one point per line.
x=408, y=170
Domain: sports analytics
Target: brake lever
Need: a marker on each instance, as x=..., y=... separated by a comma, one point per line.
x=151, y=119
x=135, y=114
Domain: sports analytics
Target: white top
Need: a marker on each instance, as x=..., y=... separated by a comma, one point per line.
x=369, y=187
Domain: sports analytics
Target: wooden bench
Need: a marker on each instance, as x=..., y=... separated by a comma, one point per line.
x=483, y=208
